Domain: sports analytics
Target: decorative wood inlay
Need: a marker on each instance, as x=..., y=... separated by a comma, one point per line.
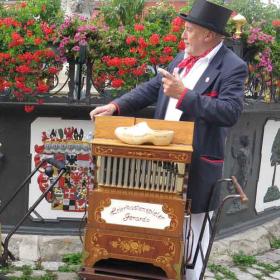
x=140, y=154
x=168, y=258
x=174, y=219
x=103, y=151
x=97, y=252
x=143, y=153
x=102, y=204
x=179, y=157
x=131, y=246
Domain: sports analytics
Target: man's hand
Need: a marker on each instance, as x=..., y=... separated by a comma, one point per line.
x=106, y=110
x=172, y=85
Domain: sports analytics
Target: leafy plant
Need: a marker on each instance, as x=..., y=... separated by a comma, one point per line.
x=28, y=64
x=121, y=12
x=131, y=53
x=74, y=258
x=219, y=269
x=244, y=260
x=275, y=243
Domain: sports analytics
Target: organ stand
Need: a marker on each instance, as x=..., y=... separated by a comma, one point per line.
x=135, y=227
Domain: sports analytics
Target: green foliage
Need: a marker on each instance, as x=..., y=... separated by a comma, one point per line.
x=74, y=258
x=42, y=10
x=128, y=55
x=244, y=260
x=275, y=243
x=219, y=270
x=254, y=10
x=160, y=15
x=121, y=12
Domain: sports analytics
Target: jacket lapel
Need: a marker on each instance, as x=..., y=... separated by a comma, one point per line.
x=211, y=72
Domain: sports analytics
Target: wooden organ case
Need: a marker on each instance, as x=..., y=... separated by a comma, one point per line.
x=136, y=210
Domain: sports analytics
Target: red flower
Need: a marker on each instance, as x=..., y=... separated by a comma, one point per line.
x=114, y=62
x=17, y=40
x=176, y=28
x=181, y=45
x=46, y=29
x=153, y=60
x=116, y=83
x=29, y=33
x=139, y=71
x=139, y=27
x=142, y=43
x=170, y=38
x=30, y=22
x=276, y=23
x=23, y=4
x=122, y=72
x=48, y=53
x=37, y=41
x=24, y=69
x=42, y=87
x=130, y=39
x=129, y=61
x=133, y=50
x=142, y=52
x=154, y=39
x=53, y=70
x=178, y=21
x=167, y=50
x=29, y=108
x=165, y=59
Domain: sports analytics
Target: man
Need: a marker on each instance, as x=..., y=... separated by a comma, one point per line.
x=205, y=85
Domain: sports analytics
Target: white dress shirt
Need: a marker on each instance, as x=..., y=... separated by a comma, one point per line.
x=189, y=81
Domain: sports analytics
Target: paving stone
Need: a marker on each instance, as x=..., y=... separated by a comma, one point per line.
x=253, y=271
x=277, y=251
x=24, y=263
x=67, y=276
x=241, y=275
x=14, y=274
x=263, y=259
x=52, y=266
x=275, y=275
x=208, y=273
x=273, y=256
x=38, y=273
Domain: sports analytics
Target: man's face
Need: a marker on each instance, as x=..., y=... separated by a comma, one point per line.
x=194, y=37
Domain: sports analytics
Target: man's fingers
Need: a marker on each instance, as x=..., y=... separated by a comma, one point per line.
x=165, y=73
x=106, y=110
x=177, y=76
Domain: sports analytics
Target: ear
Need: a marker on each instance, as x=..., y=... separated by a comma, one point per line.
x=209, y=36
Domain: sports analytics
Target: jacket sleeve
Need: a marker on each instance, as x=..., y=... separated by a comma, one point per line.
x=226, y=107
x=145, y=94
x=140, y=97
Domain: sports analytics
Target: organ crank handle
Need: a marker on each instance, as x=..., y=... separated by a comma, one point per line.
x=238, y=188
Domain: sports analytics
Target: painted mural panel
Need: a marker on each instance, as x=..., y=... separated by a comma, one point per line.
x=268, y=188
x=67, y=141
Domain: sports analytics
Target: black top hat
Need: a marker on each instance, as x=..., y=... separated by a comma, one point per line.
x=209, y=15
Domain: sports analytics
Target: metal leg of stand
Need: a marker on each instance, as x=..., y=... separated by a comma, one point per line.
x=213, y=224
x=10, y=255
x=4, y=258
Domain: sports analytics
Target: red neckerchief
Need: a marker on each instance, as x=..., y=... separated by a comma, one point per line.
x=189, y=62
